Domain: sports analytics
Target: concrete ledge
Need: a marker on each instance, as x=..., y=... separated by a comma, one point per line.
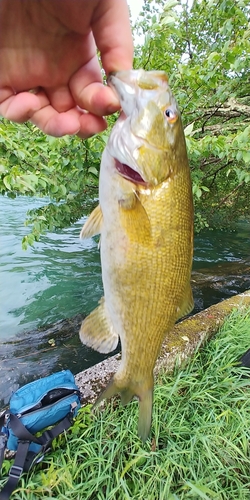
x=181, y=343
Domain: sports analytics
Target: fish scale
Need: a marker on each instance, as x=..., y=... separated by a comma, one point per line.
x=146, y=231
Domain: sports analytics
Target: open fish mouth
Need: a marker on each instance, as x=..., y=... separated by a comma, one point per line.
x=129, y=173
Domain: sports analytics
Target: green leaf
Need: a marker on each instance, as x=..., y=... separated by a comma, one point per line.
x=168, y=20
x=205, y=188
x=6, y=181
x=93, y=170
x=189, y=129
x=3, y=168
x=246, y=156
x=169, y=4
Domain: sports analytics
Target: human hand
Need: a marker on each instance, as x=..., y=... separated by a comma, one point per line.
x=49, y=66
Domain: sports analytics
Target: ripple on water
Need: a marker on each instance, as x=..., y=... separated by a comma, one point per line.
x=59, y=277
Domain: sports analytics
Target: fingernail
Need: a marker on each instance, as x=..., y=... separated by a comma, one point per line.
x=112, y=108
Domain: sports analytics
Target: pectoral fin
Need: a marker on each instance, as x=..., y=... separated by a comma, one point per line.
x=187, y=304
x=97, y=331
x=93, y=225
x=134, y=219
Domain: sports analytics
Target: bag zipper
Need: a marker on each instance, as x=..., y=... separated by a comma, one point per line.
x=27, y=408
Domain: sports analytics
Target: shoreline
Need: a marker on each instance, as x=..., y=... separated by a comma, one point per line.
x=182, y=342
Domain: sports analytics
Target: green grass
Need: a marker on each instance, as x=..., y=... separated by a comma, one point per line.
x=199, y=445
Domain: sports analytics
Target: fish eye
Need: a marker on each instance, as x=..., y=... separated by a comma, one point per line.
x=170, y=114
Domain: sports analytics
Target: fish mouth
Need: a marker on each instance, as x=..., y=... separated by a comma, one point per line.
x=129, y=173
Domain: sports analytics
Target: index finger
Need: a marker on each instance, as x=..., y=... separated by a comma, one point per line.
x=113, y=36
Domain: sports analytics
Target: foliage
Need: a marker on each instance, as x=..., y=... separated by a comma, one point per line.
x=65, y=170
x=204, y=46
x=199, y=445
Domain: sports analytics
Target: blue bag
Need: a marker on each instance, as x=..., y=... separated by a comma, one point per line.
x=32, y=408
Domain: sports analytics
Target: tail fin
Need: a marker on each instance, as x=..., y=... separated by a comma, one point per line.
x=108, y=393
x=145, y=414
x=127, y=394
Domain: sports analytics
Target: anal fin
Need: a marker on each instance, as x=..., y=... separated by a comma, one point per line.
x=97, y=331
x=93, y=224
x=187, y=304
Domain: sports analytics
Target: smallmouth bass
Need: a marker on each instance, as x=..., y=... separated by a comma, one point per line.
x=145, y=218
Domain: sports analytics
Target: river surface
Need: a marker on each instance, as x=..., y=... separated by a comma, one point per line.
x=60, y=278
x=55, y=279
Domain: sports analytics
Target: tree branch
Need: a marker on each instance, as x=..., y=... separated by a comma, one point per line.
x=230, y=108
x=230, y=194
x=219, y=127
x=214, y=174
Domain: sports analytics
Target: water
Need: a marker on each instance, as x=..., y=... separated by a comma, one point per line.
x=59, y=279
x=56, y=279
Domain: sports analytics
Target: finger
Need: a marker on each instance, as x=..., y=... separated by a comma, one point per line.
x=57, y=124
x=5, y=93
x=70, y=122
x=18, y=107
x=112, y=33
x=89, y=93
x=91, y=125
x=26, y=105
x=60, y=98
x=37, y=108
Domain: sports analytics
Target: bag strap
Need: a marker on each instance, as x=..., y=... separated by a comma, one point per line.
x=24, y=459
x=3, y=441
x=20, y=430
x=16, y=470
x=3, y=436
